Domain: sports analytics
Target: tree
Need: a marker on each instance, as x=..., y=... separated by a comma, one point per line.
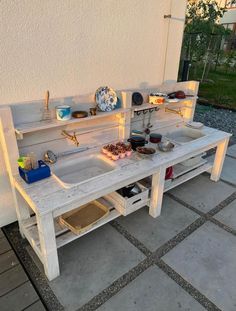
x=203, y=34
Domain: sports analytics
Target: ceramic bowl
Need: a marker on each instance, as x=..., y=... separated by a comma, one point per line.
x=166, y=146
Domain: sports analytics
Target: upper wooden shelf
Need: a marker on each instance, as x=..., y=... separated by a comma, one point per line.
x=147, y=106
x=26, y=128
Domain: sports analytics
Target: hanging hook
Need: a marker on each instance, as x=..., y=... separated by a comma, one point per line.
x=145, y=111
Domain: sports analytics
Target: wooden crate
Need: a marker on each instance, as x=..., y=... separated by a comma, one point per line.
x=127, y=205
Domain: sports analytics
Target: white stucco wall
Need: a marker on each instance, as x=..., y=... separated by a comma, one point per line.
x=74, y=46
x=229, y=17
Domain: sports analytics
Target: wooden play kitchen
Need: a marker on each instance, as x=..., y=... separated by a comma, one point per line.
x=81, y=173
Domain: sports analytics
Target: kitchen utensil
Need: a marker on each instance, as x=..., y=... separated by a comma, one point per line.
x=166, y=146
x=63, y=112
x=177, y=94
x=51, y=157
x=46, y=112
x=137, y=141
x=172, y=100
x=155, y=138
x=157, y=98
x=79, y=114
x=146, y=151
x=129, y=191
x=93, y=111
x=194, y=125
x=169, y=173
x=106, y=98
x=137, y=99
x=149, y=125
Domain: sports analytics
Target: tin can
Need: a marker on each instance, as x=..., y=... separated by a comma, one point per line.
x=63, y=112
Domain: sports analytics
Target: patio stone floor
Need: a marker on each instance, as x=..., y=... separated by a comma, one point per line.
x=183, y=260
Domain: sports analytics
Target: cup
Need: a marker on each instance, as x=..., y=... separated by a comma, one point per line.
x=63, y=112
x=93, y=111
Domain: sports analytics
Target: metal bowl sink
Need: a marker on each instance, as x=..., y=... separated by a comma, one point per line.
x=184, y=135
x=75, y=171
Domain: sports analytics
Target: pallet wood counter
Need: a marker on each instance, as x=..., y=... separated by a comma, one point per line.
x=49, y=199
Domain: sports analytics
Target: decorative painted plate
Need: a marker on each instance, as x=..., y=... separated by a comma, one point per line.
x=106, y=98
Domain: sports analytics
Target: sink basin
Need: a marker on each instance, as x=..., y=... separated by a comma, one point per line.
x=184, y=135
x=78, y=170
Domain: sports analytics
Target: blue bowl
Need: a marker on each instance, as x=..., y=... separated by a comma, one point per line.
x=63, y=112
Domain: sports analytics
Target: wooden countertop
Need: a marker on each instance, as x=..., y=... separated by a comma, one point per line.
x=48, y=195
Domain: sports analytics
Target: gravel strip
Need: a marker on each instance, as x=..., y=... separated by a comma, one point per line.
x=221, y=119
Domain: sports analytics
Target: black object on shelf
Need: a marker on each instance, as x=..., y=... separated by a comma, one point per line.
x=137, y=99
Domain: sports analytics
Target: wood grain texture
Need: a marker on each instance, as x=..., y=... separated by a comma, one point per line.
x=48, y=196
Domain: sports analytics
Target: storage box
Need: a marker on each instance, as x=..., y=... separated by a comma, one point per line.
x=127, y=205
x=43, y=171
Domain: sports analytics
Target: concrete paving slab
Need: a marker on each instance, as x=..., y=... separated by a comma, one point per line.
x=37, y=306
x=153, y=232
x=4, y=245
x=207, y=260
x=90, y=264
x=232, y=151
x=152, y=290
x=202, y=193
x=12, y=278
x=19, y=298
x=7, y=261
x=228, y=215
x=229, y=171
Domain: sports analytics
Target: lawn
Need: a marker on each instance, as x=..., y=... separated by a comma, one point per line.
x=219, y=89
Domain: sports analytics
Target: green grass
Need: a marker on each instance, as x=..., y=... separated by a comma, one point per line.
x=221, y=91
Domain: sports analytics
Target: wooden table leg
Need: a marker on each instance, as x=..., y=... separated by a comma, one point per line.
x=158, y=183
x=22, y=211
x=219, y=160
x=48, y=246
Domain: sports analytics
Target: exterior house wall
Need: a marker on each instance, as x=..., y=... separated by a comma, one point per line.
x=73, y=47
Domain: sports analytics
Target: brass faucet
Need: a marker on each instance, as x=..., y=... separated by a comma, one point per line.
x=177, y=111
x=71, y=137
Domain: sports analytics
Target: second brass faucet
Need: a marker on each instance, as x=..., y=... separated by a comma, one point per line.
x=71, y=137
x=174, y=111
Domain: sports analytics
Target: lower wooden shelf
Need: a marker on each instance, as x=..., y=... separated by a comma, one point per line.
x=187, y=176
x=63, y=235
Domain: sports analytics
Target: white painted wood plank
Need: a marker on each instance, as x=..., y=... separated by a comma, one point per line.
x=42, y=125
x=70, y=236
x=90, y=140
x=11, y=154
x=180, y=169
x=48, y=246
x=33, y=238
x=188, y=176
x=158, y=181
x=57, y=197
x=219, y=160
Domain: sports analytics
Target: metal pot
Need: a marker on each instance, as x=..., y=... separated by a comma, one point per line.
x=137, y=141
x=155, y=138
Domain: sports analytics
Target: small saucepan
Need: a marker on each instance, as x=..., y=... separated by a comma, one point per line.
x=155, y=138
x=137, y=141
